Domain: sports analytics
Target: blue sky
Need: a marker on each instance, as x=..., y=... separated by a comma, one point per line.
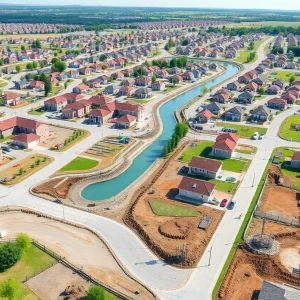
x=272, y=4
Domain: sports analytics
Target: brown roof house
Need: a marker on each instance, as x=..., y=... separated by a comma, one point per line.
x=208, y=168
x=195, y=191
x=126, y=121
x=295, y=161
x=10, y=99
x=225, y=145
x=26, y=141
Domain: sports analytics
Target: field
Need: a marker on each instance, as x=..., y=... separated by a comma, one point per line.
x=285, y=131
x=24, y=168
x=3, y=83
x=161, y=208
x=80, y=164
x=32, y=261
x=244, y=131
x=268, y=23
x=203, y=149
x=30, y=36
x=243, y=56
x=285, y=75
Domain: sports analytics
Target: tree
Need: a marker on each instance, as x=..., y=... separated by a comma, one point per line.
x=205, y=90
x=23, y=241
x=103, y=57
x=65, y=85
x=18, y=68
x=9, y=288
x=36, y=44
x=9, y=255
x=42, y=64
x=84, y=80
x=292, y=79
x=175, y=81
x=22, y=47
x=261, y=91
x=29, y=66
x=47, y=86
x=153, y=79
x=21, y=171
x=181, y=130
x=111, y=78
x=96, y=293
x=34, y=65
x=58, y=66
x=251, y=46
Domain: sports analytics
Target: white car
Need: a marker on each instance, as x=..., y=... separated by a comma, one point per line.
x=255, y=136
x=297, y=112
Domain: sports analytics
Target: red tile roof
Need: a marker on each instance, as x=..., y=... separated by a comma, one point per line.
x=205, y=164
x=226, y=141
x=56, y=100
x=10, y=96
x=277, y=101
x=26, y=138
x=125, y=119
x=296, y=156
x=99, y=112
x=18, y=121
x=197, y=186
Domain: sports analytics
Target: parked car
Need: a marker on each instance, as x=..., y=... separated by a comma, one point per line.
x=297, y=112
x=58, y=201
x=6, y=148
x=261, y=136
x=223, y=203
x=255, y=136
x=231, y=205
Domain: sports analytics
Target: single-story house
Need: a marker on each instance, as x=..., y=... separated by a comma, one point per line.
x=225, y=145
x=277, y=103
x=234, y=114
x=261, y=113
x=234, y=86
x=208, y=168
x=246, y=97
x=111, y=89
x=214, y=108
x=273, y=90
x=142, y=93
x=295, y=161
x=204, y=116
x=99, y=116
x=195, y=191
x=26, y=141
x=80, y=88
x=10, y=99
x=158, y=86
x=125, y=121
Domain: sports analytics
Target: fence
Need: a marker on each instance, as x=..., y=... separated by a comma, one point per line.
x=69, y=265
x=277, y=219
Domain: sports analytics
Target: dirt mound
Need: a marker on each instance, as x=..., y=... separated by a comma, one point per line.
x=74, y=292
x=176, y=229
x=275, y=176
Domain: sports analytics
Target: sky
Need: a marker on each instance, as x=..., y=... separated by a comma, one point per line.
x=262, y=4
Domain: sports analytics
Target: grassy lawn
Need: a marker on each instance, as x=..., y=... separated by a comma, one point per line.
x=3, y=83
x=285, y=75
x=80, y=164
x=6, y=138
x=170, y=88
x=37, y=111
x=70, y=144
x=243, y=55
x=244, y=131
x=286, y=133
x=24, y=168
x=204, y=148
x=138, y=101
x=161, y=208
x=32, y=261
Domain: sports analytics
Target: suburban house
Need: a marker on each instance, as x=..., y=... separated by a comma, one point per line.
x=10, y=99
x=195, y=191
x=225, y=145
x=126, y=91
x=234, y=86
x=59, y=102
x=80, y=88
x=36, y=84
x=290, y=96
x=214, y=108
x=142, y=81
x=246, y=97
x=260, y=81
x=76, y=110
x=276, y=291
x=99, y=116
x=26, y=141
x=22, y=84
x=111, y=89
x=158, y=86
x=277, y=103
x=279, y=83
x=18, y=125
x=261, y=113
x=273, y=90
x=221, y=96
x=125, y=121
x=204, y=116
x=295, y=161
x=142, y=93
x=234, y=114
x=128, y=82
x=251, y=87
x=208, y=168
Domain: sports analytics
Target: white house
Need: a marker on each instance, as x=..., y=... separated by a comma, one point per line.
x=204, y=167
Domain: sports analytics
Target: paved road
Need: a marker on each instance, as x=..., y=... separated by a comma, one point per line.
x=166, y=281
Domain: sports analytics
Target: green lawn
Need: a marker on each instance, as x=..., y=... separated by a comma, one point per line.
x=3, y=83
x=138, y=101
x=286, y=133
x=204, y=148
x=243, y=56
x=244, y=131
x=285, y=75
x=37, y=111
x=33, y=260
x=161, y=208
x=80, y=164
x=170, y=88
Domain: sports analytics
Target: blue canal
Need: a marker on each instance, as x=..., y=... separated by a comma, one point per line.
x=107, y=189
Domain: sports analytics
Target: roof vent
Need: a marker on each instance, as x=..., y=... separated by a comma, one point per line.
x=194, y=185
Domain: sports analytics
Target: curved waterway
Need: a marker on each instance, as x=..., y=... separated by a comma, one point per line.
x=107, y=189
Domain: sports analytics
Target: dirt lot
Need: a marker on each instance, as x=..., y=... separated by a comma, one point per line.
x=153, y=229
x=280, y=201
x=66, y=241
x=57, y=136
x=58, y=281
x=248, y=271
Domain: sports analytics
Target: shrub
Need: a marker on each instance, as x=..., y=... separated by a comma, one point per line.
x=23, y=241
x=9, y=255
x=9, y=288
x=96, y=293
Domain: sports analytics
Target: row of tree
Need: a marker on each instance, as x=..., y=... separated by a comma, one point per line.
x=180, y=132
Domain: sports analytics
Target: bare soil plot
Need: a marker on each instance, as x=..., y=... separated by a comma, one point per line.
x=164, y=234
x=57, y=136
x=248, y=271
x=79, y=246
x=52, y=283
x=280, y=201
